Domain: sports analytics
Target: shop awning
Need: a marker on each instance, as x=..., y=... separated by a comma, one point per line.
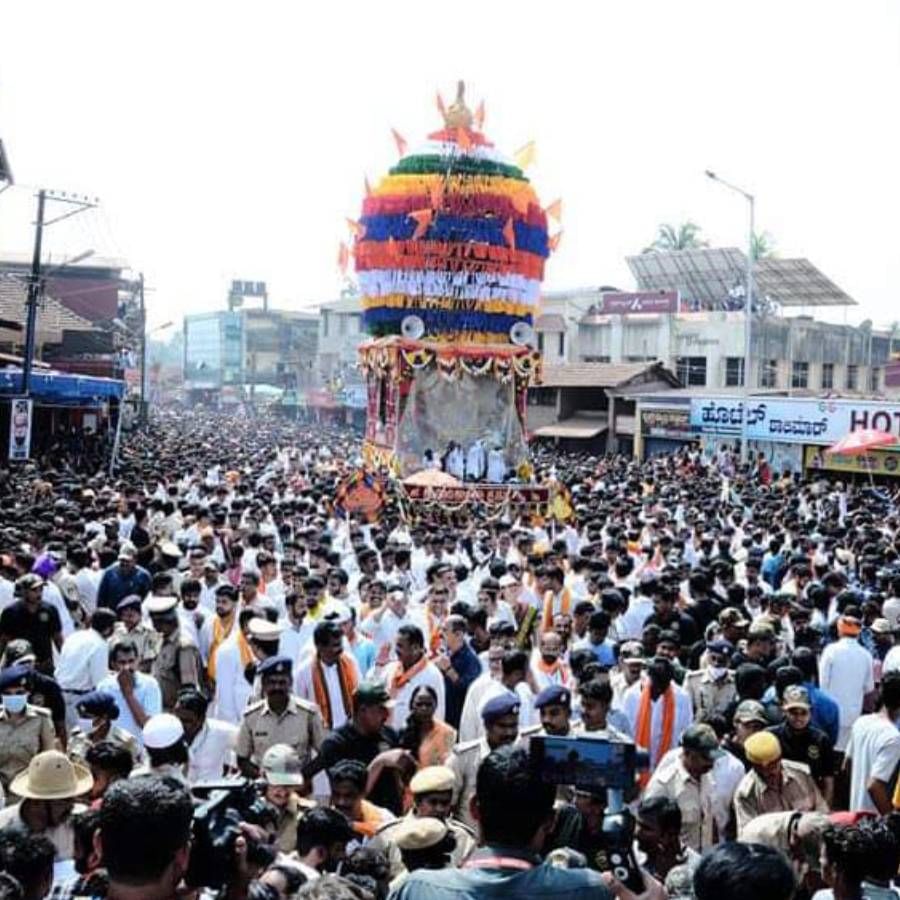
x=62, y=387
x=574, y=427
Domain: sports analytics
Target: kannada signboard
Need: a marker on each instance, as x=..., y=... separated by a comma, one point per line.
x=666, y=423
x=622, y=303
x=878, y=462
x=793, y=421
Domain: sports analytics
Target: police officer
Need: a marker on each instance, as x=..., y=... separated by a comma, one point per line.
x=96, y=712
x=25, y=730
x=178, y=663
x=432, y=792
x=131, y=625
x=554, y=704
x=282, y=772
x=279, y=718
x=712, y=689
x=501, y=726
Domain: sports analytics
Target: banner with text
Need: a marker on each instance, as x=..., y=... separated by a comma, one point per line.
x=795, y=421
x=20, y=429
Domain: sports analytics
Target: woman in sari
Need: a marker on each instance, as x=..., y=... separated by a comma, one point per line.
x=428, y=739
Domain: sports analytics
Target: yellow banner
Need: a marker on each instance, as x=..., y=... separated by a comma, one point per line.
x=878, y=462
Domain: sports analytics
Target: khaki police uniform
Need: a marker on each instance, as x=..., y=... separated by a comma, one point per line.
x=145, y=638
x=798, y=792
x=300, y=726
x=79, y=743
x=177, y=665
x=288, y=818
x=708, y=696
x=464, y=763
x=694, y=799
x=383, y=840
x=22, y=738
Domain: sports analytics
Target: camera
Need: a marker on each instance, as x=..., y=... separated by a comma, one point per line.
x=593, y=764
x=221, y=807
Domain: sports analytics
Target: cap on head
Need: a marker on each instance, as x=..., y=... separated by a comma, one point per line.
x=127, y=552
x=432, y=779
x=281, y=765
x=371, y=693
x=161, y=731
x=52, y=776
x=161, y=606
x=506, y=704
x=13, y=676
x=762, y=748
x=132, y=601
x=795, y=697
x=275, y=665
x=98, y=703
x=554, y=695
x=701, y=739
x=749, y=711
x=722, y=647
x=419, y=833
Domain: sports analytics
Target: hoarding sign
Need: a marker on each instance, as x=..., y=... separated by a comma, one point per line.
x=20, y=429
x=666, y=423
x=622, y=303
x=878, y=462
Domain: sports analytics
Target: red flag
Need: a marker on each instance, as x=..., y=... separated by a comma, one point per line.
x=391, y=247
x=553, y=241
x=400, y=141
x=343, y=257
x=479, y=116
x=423, y=219
x=555, y=210
x=509, y=234
x=464, y=139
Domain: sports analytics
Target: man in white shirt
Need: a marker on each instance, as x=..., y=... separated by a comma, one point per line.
x=329, y=676
x=846, y=671
x=84, y=660
x=409, y=671
x=210, y=742
x=873, y=752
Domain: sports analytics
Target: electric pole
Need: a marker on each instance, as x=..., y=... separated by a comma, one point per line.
x=34, y=292
x=143, y=415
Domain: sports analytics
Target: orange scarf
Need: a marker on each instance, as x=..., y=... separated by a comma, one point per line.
x=434, y=635
x=642, y=733
x=402, y=678
x=373, y=817
x=551, y=670
x=565, y=602
x=348, y=681
x=220, y=633
x=437, y=745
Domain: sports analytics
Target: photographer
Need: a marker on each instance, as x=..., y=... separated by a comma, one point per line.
x=322, y=838
x=514, y=811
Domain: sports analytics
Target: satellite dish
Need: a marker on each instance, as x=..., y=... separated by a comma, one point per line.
x=412, y=327
x=522, y=334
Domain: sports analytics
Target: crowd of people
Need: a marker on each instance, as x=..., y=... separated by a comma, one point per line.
x=214, y=683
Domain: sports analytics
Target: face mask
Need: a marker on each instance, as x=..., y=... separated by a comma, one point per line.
x=549, y=658
x=14, y=703
x=86, y=725
x=716, y=672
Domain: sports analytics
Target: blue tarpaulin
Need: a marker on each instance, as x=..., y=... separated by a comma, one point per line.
x=62, y=388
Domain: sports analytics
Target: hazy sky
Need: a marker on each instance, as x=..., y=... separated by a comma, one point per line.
x=230, y=140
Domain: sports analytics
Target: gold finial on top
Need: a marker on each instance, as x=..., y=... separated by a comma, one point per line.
x=459, y=115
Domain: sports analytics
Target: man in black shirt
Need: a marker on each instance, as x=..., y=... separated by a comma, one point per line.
x=802, y=742
x=366, y=738
x=33, y=620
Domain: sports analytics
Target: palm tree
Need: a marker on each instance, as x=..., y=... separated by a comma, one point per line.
x=685, y=236
x=763, y=245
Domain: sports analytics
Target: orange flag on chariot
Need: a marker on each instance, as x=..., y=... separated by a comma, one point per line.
x=464, y=139
x=391, y=247
x=343, y=257
x=553, y=241
x=509, y=234
x=555, y=210
x=400, y=141
x=525, y=156
x=423, y=219
x=479, y=116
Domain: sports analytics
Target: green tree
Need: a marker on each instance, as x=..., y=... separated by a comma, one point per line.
x=763, y=245
x=685, y=236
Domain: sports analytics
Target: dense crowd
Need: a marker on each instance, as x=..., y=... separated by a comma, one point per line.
x=383, y=699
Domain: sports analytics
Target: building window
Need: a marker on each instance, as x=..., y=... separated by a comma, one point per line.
x=562, y=343
x=734, y=371
x=852, y=378
x=800, y=374
x=541, y=341
x=542, y=396
x=768, y=376
x=324, y=323
x=875, y=379
x=595, y=359
x=827, y=376
x=691, y=370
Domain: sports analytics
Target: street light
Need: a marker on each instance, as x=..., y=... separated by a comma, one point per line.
x=748, y=306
